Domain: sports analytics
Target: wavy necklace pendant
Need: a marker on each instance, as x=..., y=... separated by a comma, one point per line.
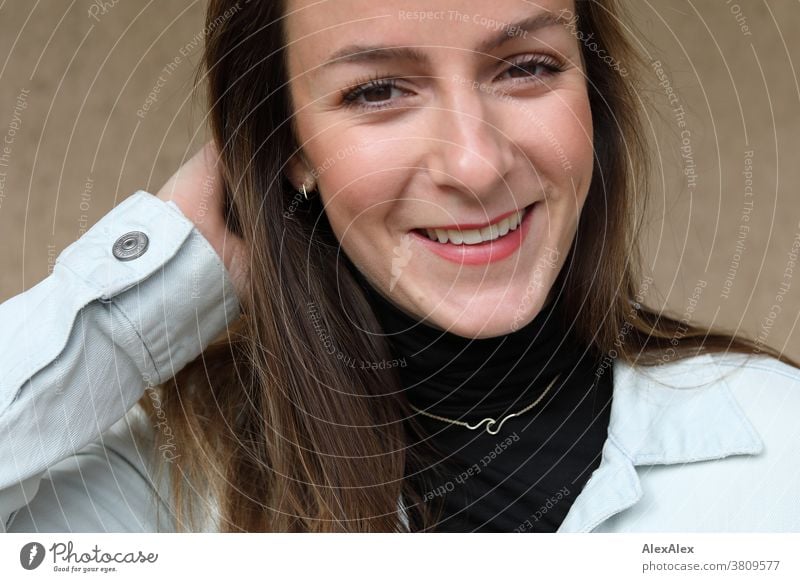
x=490, y=423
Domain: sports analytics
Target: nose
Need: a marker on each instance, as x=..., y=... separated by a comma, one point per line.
x=469, y=151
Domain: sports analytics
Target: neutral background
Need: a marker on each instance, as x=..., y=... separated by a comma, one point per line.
x=77, y=81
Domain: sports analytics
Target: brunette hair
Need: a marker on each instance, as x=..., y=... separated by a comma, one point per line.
x=276, y=433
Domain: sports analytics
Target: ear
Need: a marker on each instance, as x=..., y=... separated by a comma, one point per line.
x=297, y=170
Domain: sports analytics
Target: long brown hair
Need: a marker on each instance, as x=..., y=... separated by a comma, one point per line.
x=285, y=437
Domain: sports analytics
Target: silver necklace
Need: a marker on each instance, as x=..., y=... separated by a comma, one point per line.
x=490, y=422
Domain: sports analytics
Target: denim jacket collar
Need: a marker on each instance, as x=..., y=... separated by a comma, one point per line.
x=656, y=419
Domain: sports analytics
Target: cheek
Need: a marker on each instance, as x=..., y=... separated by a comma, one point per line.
x=558, y=142
x=358, y=188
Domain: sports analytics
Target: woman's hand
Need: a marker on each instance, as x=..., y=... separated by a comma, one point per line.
x=197, y=190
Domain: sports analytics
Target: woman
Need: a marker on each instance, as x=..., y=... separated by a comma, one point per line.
x=436, y=266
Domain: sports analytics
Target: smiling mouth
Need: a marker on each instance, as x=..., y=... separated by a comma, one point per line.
x=475, y=236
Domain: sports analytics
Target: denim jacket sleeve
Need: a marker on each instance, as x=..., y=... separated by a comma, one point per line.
x=78, y=350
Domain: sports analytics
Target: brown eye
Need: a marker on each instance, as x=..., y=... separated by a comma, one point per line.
x=382, y=93
x=529, y=68
x=536, y=68
x=379, y=89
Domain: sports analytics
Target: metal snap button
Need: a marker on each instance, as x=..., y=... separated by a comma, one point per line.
x=130, y=245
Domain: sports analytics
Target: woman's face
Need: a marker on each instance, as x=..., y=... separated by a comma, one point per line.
x=481, y=119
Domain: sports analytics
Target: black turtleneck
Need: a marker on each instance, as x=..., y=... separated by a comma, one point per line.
x=526, y=477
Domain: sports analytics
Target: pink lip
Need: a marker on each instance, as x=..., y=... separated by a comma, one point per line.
x=483, y=253
x=472, y=225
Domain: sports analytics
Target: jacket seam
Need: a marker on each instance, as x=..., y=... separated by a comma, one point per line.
x=97, y=290
x=753, y=433
x=141, y=338
x=631, y=476
x=145, y=477
x=613, y=438
x=765, y=369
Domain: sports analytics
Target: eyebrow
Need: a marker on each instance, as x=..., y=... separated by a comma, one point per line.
x=359, y=53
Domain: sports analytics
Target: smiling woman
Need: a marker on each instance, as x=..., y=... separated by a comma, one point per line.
x=469, y=181
x=443, y=326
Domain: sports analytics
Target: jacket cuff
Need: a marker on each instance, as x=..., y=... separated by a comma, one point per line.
x=176, y=294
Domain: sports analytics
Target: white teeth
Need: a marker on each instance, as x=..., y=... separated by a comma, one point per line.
x=472, y=237
x=477, y=235
x=503, y=227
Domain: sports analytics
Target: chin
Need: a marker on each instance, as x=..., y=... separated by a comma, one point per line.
x=486, y=319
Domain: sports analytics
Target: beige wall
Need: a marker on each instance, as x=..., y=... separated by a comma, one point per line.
x=74, y=83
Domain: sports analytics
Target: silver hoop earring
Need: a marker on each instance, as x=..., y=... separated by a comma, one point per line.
x=305, y=195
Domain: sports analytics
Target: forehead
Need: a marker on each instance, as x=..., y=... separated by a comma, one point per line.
x=317, y=28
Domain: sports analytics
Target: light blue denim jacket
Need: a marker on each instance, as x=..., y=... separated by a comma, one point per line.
x=711, y=443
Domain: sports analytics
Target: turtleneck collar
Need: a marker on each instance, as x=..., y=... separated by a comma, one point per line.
x=468, y=379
